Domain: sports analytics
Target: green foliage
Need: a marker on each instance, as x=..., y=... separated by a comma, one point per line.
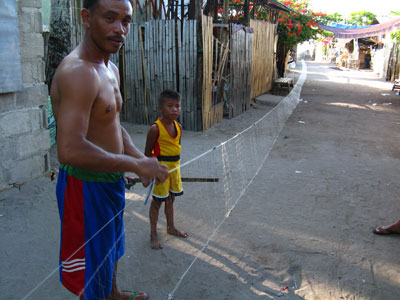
x=362, y=18
x=294, y=27
x=395, y=35
x=335, y=17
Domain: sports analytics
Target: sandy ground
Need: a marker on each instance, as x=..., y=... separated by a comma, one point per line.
x=304, y=222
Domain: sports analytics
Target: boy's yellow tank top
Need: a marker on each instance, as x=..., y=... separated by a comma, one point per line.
x=166, y=145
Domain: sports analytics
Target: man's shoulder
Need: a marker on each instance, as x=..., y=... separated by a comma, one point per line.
x=78, y=75
x=75, y=66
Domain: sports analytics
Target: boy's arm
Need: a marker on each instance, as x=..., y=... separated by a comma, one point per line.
x=180, y=138
x=152, y=136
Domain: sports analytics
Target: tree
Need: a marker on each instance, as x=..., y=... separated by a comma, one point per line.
x=295, y=28
x=335, y=17
x=395, y=35
x=362, y=18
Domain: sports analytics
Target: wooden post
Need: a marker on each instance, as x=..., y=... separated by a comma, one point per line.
x=160, y=10
x=192, y=10
x=215, y=10
x=170, y=8
x=246, y=12
x=198, y=14
x=225, y=11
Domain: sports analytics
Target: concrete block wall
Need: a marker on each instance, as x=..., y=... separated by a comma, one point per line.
x=24, y=138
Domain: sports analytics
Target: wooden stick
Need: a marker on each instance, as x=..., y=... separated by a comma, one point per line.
x=184, y=179
x=130, y=181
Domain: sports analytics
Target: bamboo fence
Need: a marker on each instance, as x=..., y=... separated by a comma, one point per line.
x=163, y=54
x=211, y=113
x=240, y=70
x=263, y=57
x=187, y=67
x=160, y=55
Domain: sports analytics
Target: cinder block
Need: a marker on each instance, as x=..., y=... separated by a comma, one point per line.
x=24, y=157
x=18, y=171
x=30, y=3
x=32, y=144
x=32, y=72
x=20, y=121
x=32, y=96
x=7, y=102
x=38, y=24
x=8, y=147
x=30, y=20
x=31, y=45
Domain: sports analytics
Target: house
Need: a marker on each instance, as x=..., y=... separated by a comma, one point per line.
x=217, y=64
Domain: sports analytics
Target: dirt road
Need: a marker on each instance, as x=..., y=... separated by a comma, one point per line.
x=304, y=224
x=320, y=220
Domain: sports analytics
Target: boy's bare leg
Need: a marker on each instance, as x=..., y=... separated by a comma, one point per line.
x=169, y=214
x=118, y=295
x=153, y=215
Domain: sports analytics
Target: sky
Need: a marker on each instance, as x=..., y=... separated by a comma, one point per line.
x=345, y=7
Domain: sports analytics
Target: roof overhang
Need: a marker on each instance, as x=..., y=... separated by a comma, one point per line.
x=276, y=5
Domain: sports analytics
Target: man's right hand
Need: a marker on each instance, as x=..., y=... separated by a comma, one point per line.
x=151, y=168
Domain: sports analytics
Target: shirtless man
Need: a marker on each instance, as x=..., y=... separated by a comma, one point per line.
x=93, y=151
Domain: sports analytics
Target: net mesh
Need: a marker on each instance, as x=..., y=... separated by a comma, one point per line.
x=219, y=177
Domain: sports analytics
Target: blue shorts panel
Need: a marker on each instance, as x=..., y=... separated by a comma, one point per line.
x=104, y=205
x=92, y=233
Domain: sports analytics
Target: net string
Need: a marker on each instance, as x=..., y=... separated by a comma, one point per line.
x=293, y=97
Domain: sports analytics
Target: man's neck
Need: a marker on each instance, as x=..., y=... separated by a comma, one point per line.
x=91, y=52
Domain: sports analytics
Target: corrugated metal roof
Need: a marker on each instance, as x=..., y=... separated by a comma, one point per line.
x=274, y=4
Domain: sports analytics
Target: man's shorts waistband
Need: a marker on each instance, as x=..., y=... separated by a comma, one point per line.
x=91, y=176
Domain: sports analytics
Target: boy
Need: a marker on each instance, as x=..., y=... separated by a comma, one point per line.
x=164, y=142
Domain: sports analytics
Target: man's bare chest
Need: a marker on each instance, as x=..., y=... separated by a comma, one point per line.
x=108, y=102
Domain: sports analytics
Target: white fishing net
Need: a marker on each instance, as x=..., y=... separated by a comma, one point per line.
x=214, y=183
